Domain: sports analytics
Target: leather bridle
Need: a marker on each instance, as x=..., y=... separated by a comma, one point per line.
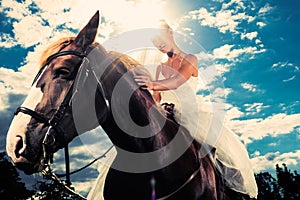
x=49, y=139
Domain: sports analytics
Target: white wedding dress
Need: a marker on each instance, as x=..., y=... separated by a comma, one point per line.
x=205, y=125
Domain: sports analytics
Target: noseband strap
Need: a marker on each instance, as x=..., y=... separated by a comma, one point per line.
x=35, y=115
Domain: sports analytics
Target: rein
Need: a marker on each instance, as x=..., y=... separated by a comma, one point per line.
x=49, y=174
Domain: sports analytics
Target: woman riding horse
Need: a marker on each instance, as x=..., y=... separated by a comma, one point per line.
x=77, y=84
x=174, y=79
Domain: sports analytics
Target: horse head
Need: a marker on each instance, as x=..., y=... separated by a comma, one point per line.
x=37, y=130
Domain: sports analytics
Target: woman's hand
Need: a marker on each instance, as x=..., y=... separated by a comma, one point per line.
x=145, y=82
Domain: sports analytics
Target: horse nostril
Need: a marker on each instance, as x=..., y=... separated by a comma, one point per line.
x=19, y=146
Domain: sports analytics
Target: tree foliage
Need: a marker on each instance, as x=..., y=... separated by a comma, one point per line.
x=53, y=190
x=11, y=186
x=286, y=185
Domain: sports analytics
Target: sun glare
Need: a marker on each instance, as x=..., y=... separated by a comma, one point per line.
x=135, y=14
x=131, y=17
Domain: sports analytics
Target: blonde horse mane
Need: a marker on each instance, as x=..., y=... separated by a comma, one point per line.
x=130, y=63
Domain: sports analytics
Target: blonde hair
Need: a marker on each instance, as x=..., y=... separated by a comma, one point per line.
x=163, y=24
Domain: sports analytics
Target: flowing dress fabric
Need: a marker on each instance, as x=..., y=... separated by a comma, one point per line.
x=205, y=125
x=103, y=168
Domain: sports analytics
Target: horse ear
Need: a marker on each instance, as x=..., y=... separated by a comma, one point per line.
x=87, y=35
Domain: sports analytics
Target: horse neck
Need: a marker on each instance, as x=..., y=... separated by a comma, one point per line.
x=135, y=123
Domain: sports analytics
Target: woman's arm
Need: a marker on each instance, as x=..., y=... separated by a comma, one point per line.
x=156, y=94
x=188, y=68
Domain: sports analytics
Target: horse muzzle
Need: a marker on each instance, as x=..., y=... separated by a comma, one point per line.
x=18, y=153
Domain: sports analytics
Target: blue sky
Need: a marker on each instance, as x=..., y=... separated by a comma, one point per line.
x=253, y=45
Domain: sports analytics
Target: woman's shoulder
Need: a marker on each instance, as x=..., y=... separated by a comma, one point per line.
x=190, y=63
x=191, y=58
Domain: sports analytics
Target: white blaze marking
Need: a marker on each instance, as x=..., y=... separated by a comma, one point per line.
x=19, y=123
x=34, y=97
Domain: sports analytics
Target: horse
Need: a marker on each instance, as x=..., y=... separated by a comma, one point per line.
x=46, y=122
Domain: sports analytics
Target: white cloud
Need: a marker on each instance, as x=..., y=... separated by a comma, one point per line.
x=290, y=107
x=187, y=29
x=204, y=57
x=254, y=108
x=279, y=64
x=258, y=128
x=233, y=112
x=11, y=82
x=287, y=64
x=261, y=24
x=249, y=86
x=237, y=3
x=273, y=144
x=223, y=68
x=257, y=41
x=220, y=94
x=256, y=153
x=224, y=20
x=206, y=76
x=215, y=101
x=7, y=41
x=223, y=51
x=249, y=36
x=206, y=61
x=298, y=132
x=275, y=65
x=15, y=9
x=228, y=19
x=227, y=52
x=209, y=73
x=267, y=8
x=269, y=160
x=30, y=30
x=289, y=79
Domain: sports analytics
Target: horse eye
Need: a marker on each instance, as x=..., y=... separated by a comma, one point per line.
x=62, y=71
x=42, y=87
